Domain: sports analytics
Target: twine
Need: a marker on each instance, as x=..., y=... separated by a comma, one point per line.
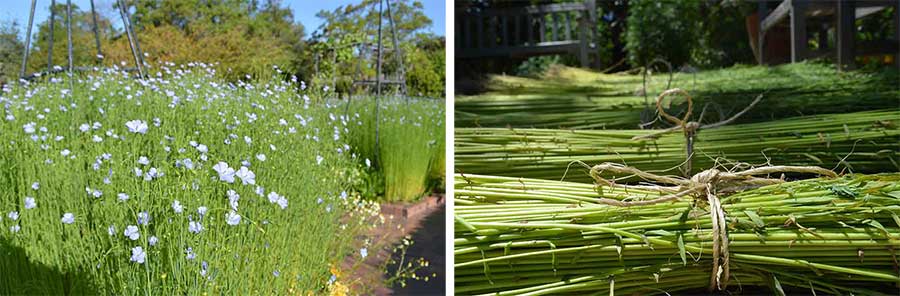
x=690, y=128
x=706, y=183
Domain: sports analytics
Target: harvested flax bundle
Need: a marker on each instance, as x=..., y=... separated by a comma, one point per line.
x=534, y=237
x=866, y=142
x=579, y=99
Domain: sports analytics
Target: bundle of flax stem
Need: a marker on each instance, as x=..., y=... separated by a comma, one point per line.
x=866, y=142
x=832, y=235
x=579, y=99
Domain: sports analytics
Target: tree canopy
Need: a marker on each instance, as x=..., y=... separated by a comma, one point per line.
x=247, y=38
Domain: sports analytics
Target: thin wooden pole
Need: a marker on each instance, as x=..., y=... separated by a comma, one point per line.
x=398, y=54
x=380, y=49
x=69, y=44
x=334, y=66
x=96, y=31
x=137, y=42
x=27, y=40
x=378, y=84
x=50, y=40
x=846, y=31
x=69, y=38
x=897, y=32
x=134, y=53
x=761, y=12
x=798, y=30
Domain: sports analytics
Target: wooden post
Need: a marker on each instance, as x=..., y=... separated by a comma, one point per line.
x=542, y=27
x=517, y=30
x=398, y=52
x=583, y=24
x=592, y=21
x=380, y=50
x=491, y=40
x=378, y=83
x=823, y=38
x=50, y=38
x=479, y=31
x=334, y=66
x=458, y=25
x=529, y=27
x=799, y=38
x=96, y=31
x=504, y=30
x=761, y=11
x=846, y=31
x=69, y=38
x=27, y=40
x=131, y=41
x=554, y=26
x=897, y=32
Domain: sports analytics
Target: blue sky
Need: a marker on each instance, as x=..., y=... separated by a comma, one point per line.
x=304, y=11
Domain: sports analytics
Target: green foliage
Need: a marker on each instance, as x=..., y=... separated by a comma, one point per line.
x=661, y=29
x=243, y=37
x=536, y=66
x=348, y=25
x=84, y=51
x=11, y=49
x=702, y=33
x=722, y=35
x=272, y=250
x=425, y=67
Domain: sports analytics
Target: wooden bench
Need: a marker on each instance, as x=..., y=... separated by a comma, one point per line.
x=562, y=28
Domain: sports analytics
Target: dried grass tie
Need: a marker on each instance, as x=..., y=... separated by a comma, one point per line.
x=690, y=128
x=709, y=182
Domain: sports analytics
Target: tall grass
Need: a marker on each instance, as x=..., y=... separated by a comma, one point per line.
x=410, y=145
x=71, y=151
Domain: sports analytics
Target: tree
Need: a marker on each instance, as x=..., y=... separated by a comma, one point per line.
x=244, y=37
x=336, y=43
x=11, y=50
x=84, y=51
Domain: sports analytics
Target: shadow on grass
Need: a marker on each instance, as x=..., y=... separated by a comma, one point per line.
x=21, y=276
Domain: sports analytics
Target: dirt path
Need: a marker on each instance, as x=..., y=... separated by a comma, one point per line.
x=401, y=219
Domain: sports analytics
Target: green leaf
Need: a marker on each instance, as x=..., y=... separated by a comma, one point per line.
x=659, y=232
x=894, y=194
x=681, y=250
x=878, y=225
x=755, y=218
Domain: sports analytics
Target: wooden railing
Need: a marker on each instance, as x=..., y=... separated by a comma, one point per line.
x=528, y=31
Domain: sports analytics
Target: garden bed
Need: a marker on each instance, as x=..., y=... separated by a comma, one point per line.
x=398, y=224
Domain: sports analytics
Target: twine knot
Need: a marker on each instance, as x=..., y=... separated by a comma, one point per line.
x=690, y=128
x=705, y=185
x=705, y=177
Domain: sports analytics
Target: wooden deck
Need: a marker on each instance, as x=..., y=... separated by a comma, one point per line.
x=839, y=15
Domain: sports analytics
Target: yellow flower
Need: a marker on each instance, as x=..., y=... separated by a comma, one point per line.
x=338, y=289
x=335, y=271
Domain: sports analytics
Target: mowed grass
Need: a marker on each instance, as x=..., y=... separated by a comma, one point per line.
x=73, y=151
